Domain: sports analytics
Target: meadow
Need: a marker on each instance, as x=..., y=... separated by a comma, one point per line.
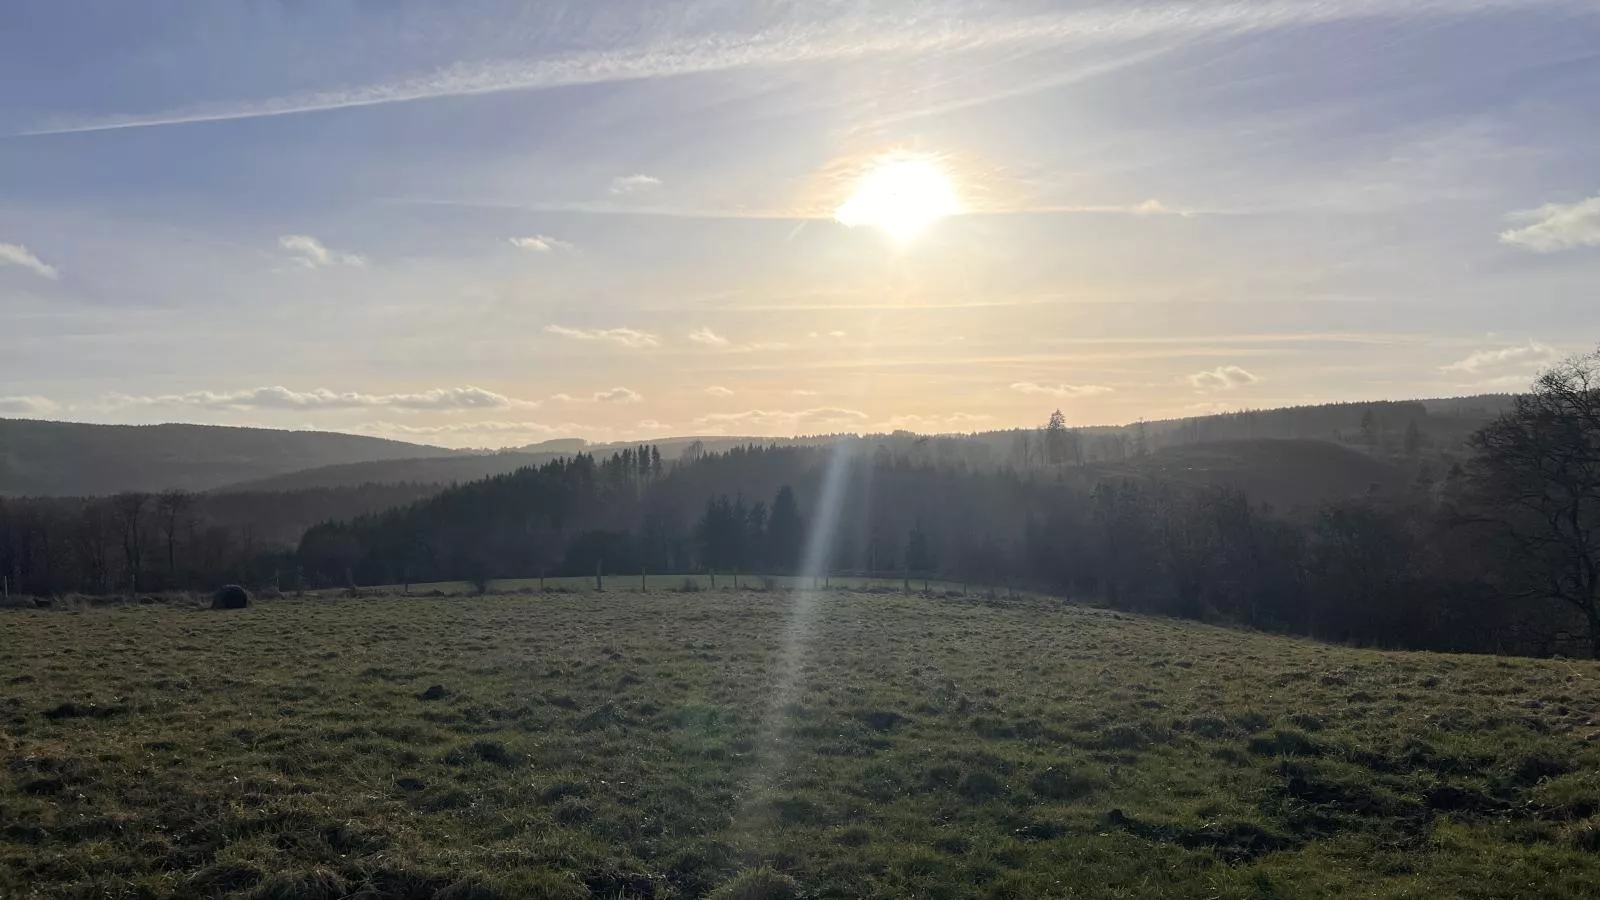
x=769, y=744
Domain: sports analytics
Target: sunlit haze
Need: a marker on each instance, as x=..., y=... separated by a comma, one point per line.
x=493, y=223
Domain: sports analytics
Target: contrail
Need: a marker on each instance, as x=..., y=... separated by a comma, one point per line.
x=858, y=38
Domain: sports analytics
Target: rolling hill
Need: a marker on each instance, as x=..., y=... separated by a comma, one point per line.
x=434, y=470
x=446, y=470
x=1285, y=473
x=60, y=458
x=74, y=459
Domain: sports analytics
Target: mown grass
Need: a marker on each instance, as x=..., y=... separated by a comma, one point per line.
x=668, y=745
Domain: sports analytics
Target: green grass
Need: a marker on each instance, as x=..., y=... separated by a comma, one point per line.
x=627, y=745
x=699, y=581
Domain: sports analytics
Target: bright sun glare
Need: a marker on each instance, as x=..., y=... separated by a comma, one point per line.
x=902, y=196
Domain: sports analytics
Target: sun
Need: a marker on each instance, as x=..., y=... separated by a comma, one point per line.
x=902, y=195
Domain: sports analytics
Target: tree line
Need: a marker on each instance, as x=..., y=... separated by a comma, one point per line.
x=173, y=540
x=1499, y=552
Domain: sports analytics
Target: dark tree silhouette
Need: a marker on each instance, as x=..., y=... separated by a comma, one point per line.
x=128, y=508
x=1539, y=472
x=1055, y=439
x=785, y=532
x=920, y=556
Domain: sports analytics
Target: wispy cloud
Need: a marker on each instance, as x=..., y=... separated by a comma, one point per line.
x=948, y=424
x=312, y=253
x=1496, y=360
x=282, y=398
x=27, y=406
x=1151, y=207
x=1556, y=226
x=717, y=390
x=633, y=184
x=833, y=37
x=831, y=334
x=1066, y=391
x=708, y=337
x=614, y=395
x=1222, y=378
x=543, y=243
x=491, y=433
x=18, y=255
x=705, y=337
x=823, y=419
x=627, y=337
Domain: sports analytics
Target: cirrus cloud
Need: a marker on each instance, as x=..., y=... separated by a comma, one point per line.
x=1068, y=391
x=946, y=424
x=614, y=395
x=633, y=184
x=708, y=337
x=27, y=405
x=824, y=34
x=543, y=243
x=277, y=397
x=627, y=337
x=783, y=421
x=488, y=433
x=1222, y=378
x=311, y=253
x=18, y=255
x=1556, y=226
x=1517, y=356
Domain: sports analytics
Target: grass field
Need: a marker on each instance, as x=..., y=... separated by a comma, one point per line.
x=686, y=744
x=699, y=581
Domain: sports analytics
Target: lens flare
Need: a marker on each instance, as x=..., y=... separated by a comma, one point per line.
x=902, y=196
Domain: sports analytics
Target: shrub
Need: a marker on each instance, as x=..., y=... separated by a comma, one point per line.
x=1055, y=784
x=230, y=596
x=979, y=786
x=758, y=884
x=317, y=884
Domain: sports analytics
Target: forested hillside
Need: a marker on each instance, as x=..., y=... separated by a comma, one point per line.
x=73, y=459
x=70, y=459
x=434, y=470
x=1402, y=545
x=447, y=470
x=1370, y=538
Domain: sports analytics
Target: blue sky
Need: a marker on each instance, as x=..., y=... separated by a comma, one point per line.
x=489, y=223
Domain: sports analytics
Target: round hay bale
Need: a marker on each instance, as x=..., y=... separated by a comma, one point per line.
x=230, y=596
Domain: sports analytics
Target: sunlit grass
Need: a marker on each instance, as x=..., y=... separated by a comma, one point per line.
x=613, y=744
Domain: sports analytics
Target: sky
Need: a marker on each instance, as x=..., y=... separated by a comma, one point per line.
x=491, y=223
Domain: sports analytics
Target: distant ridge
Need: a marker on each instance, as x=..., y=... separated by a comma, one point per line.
x=74, y=459
x=63, y=458
x=436, y=470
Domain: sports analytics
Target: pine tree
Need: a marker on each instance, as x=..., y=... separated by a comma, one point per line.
x=919, y=552
x=1413, y=442
x=755, y=544
x=785, y=532
x=1055, y=434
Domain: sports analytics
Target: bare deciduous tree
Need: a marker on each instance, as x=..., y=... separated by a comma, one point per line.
x=1539, y=469
x=127, y=510
x=172, y=507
